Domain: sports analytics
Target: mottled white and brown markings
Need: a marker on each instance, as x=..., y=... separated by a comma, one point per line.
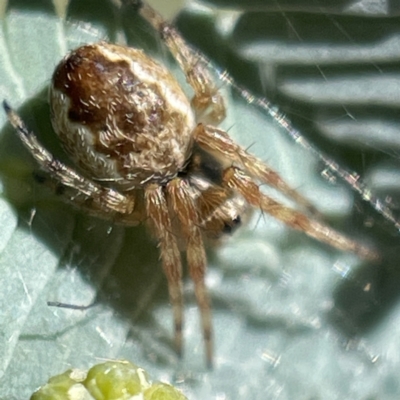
x=148, y=154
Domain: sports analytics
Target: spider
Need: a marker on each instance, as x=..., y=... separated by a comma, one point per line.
x=146, y=153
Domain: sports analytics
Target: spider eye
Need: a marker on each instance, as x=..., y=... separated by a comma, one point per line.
x=230, y=226
x=237, y=220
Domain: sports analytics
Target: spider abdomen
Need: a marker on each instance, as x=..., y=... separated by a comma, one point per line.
x=120, y=115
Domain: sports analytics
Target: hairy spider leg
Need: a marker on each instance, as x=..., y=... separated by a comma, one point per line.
x=223, y=144
x=208, y=99
x=106, y=200
x=185, y=208
x=160, y=224
x=217, y=141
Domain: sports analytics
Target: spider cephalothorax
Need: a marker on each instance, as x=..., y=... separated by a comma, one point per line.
x=146, y=152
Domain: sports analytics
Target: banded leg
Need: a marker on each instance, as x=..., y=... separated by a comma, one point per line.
x=106, y=200
x=220, y=211
x=157, y=210
x=85, y=203
x=184, y=207
x=207, y=100
x=218, y=141
x=237, y=180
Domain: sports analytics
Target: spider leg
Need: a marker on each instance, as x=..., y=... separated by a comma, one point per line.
x=207, y=100
x=185, y=208
x=157, y=210
x=218, y=142
x=81, y=190
x=85, y=203
x=236, y=179
x=220, y=211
